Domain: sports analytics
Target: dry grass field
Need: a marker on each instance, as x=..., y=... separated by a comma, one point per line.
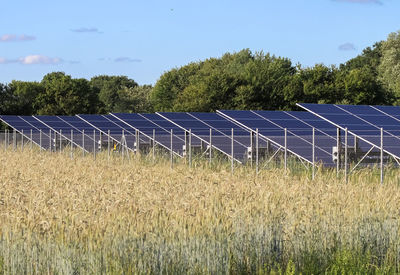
x=83, y=216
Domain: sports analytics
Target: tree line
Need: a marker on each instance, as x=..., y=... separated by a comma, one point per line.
x=241, y=80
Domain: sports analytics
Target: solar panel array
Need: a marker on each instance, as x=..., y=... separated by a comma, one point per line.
x=364, y=122
x=311, y=136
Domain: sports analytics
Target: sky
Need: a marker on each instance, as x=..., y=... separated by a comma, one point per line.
x=144, y=39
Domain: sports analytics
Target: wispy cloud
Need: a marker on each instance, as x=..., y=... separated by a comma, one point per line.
x=86, y=30
x=126, y=59
x=32, y=59
x=347, y=47
x=39, y=59
x=16, y=38
x=376, y=2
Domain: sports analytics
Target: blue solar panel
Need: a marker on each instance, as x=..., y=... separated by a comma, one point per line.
x=27, y=124
x=84, y=134
x=147, y=123
x=61, y=127
x=271, y=126
x=364, y=122
x=107, y=124
x=221, y=131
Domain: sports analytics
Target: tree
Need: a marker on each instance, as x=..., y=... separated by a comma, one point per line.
x=107, y=88
x=319, y=85
x=389, y=68
x=25, y=96
x=240, y=80
x=134, y=100
x=370, y=57
x=171, y=84
x=66, y=96
x=7, y=101
x=265, y=79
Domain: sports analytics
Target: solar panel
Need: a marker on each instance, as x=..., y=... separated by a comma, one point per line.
x=61, y=128
x=364, y=122
x=149, y=124
x=84, y=134
x=107, y=124
x=26, y=125
x=272, y=124
x=221, y=131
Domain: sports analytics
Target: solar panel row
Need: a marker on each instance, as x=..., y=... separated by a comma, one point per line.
x=364, y=122
x=307, y=135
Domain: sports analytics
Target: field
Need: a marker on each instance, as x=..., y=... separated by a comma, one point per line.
x=82, y=216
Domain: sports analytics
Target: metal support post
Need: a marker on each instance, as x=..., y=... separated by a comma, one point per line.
x=171, y=151
x=72, y=143
x=8, y=138
x=257, y=150
x=60, y=140
x=345, y=154
x=313, y=153
x=154, y=144
x=210, y=149
x=108, y=145
x=40, y=140
x=251, y=148
x=190, y=148
x=339, y=149
x=122, y=151
x=285, y=152
x=22, y=140
x=31, y=143
x=15, y=139
x=137, y=141
x=5, y=140
x=232, y=155
x=94, y=144
x=83, y=142
x=50, y=141
x=381, y=155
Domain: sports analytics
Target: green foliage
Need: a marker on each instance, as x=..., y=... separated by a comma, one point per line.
x=134, y=100
x=389, y=68
x=318, y=84
x=25, y=96
x=65, y=96
x=107, y=89
x=171, y=84
x=240, y=80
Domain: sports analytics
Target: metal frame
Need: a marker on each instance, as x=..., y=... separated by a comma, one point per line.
x=265, y=138
x=33, y=127
x=151, y=138
x=350, y=132
x=107, y=133
x=202, y=139
x=60, y=132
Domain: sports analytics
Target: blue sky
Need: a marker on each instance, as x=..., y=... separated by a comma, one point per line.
x=143, y=39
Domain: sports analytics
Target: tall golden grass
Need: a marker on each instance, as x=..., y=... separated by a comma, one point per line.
x=61, y=216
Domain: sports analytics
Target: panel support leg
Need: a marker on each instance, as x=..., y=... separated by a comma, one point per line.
x=232, y=155
x=257, y=136
x=345, y=156
x=381, y=156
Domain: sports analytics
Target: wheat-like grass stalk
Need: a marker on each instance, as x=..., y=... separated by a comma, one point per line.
x=63, y=215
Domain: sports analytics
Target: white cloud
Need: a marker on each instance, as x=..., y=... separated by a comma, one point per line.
x=32, y=59
x=127, y=59
x=39, y=59
x=16, y=38
x=347, y=47
x=84, y=29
